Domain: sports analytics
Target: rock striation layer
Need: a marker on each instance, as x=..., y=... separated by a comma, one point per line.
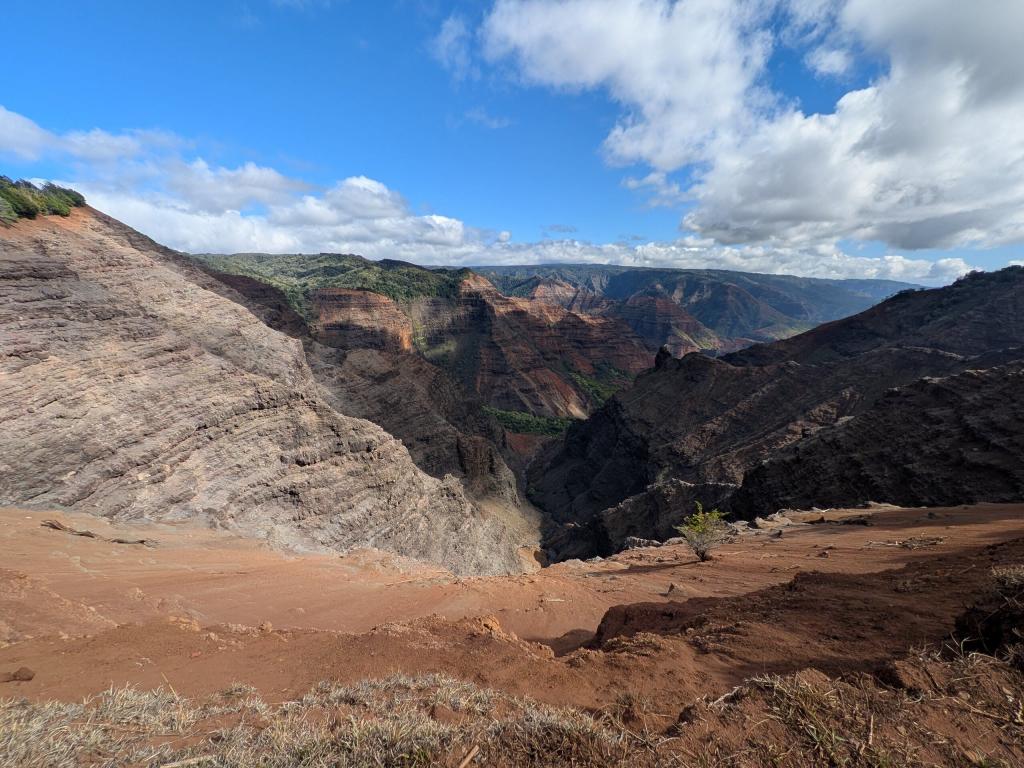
x=134, y=385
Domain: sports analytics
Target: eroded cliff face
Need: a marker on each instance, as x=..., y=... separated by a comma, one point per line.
x=711, y=421
x=513, y=354
x=660, y=321
x=131, y=386
x=361, y=374
x=935, y=442
x=349, y=319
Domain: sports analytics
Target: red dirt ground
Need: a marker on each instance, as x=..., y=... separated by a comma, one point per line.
x=204, y=609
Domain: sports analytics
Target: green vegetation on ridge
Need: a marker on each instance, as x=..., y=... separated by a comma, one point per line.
x=526, y=423
x=24, y=200
x=298, y=275
x=599, y=388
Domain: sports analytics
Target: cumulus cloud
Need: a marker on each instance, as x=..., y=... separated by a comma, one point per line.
x=826, y=60
x=217, y=188
x=685, y=71
x=193, y=205
x=930, y=155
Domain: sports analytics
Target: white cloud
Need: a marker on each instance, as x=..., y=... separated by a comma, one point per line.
x=192, y=205
x=829, y=61
x=930, y=155
x=451, y=47
x=218, y=189
x=696, y=253
x=685, y=71
x=662, y=191
x=1017, y=263
x=21, y=137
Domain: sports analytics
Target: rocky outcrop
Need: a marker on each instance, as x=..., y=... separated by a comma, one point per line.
x=935, y=442
x=653, y=514
x=349, y=319
x=131, y=387
x=703, y=420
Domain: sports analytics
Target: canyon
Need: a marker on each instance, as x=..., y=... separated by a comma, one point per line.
x=881, y=406
x=270, y=516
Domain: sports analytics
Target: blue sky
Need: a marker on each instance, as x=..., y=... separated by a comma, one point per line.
x=514, y=131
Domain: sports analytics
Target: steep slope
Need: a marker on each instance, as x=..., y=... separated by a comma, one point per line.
x=525, y=356
x=952, y=440
x=701, y=420
x=362, y=371
x=515, y=354
x=690, y=309
x=132, y=387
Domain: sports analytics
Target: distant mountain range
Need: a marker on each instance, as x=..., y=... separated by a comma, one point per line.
x=693, y=310
x=550, y=342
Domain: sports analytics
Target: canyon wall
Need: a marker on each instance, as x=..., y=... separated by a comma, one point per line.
x=131, y=387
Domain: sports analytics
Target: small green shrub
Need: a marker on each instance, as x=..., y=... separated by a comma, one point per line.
x=704, y=531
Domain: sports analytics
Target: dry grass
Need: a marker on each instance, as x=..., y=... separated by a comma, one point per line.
x=940, y=707
x=1009, y=577
x=387, y=722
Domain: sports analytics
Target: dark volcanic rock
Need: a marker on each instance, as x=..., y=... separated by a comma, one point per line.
x=705, y=420
x=954, y=440
x=652, y=514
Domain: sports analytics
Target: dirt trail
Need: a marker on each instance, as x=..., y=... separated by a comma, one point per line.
x=85, y=614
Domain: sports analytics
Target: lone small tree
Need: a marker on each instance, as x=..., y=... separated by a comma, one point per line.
x=704, y=531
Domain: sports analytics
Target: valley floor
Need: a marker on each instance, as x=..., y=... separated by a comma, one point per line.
x=843, y=594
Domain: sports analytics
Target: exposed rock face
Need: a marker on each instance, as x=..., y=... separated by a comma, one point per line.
x=445, y=431
x=131, y=387
x=535, y=347
x=268, y=302
x=360, y=320
x=652, y=514
x=935, y=442
x=705, y=420
x=520, y=355
x=660, y=321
